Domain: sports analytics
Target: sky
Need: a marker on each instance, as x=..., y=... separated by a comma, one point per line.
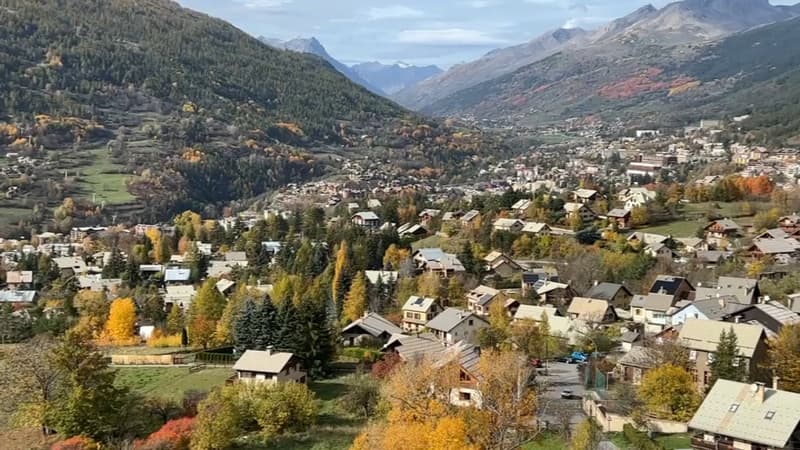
x=442, y=32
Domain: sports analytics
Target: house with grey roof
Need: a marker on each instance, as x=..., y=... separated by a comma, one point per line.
x=746, y=416
x=481, y=299
x=371, y=327
x=701, y=338
x=508, y=225
x=773, y=316
x=417, y=311
x=616, y=294
x=784, y=251
x=469, y=217
x=177, y=275
x=453, y=325
x=744, y=289
x=722, y=233
x=435, y=260
x=269, y=367
x=385, y=277
x=366, y=219
x=18, y=299
x=653, y=310
x=711, y=308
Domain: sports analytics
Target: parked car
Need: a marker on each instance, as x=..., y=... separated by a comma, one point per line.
x=579, y=357
x=537, y=363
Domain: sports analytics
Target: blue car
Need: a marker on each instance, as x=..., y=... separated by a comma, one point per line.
x=579, y=357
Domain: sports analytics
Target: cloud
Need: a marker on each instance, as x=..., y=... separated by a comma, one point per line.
x=578, y=22
x=480, y=4
x=263, y=4
x=394, y=12
x=448, y=37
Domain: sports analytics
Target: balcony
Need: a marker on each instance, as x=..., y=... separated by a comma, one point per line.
x=699, y=443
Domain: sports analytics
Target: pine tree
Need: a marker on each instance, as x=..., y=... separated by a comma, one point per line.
x=317, y=347
x=287, y=338
x=115, y=266
x=265, y=327
x=243, y=335
x=198, y=264
x=727, y=363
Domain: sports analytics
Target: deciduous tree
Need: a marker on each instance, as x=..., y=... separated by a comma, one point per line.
x=121, y=320
x=355, y=304
x=668, y=392
x=784, y=357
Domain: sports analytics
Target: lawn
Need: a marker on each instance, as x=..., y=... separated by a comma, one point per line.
x=336, y=428
x=170, y=382
x=10, y=216
x=549, y=441
x=103, y=181
x=675, y=441
x=453, y=244
x=678, y=229
x=140, y=350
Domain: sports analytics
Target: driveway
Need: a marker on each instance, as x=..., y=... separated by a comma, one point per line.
x=552, y=408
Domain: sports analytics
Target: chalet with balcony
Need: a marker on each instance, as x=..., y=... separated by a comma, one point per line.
x=417, y=311
x=721, y=233
x=269, y=367
x=454, y=325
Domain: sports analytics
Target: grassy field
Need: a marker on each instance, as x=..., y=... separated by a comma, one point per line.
x=453, y=244
x=695, y=216
x=102, y=178
x=10, y=216
x=336, y=428
x=140, y=350
x=675, y=441
x=678, y=229
x=170, y=382
x=548, y=441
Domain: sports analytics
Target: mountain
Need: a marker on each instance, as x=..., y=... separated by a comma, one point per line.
x=179, y=109
x=619, y=64
x=314, y=47
x=395, y=77
x=492, y=65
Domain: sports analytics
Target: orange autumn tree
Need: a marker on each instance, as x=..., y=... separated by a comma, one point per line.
x=174, y=435
x=121, y=321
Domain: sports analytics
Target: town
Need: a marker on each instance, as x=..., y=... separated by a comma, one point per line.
x=638, y=291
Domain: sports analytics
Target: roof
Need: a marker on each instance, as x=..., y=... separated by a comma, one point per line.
x=572, y=207
x=70, y=262
x=703, y=335
x=482, y=295
x=17, y=296
x=690, y=242
x=508, y=223
x=235, y=256
x=775, y=233
x=743, y=289
x=550, y=286
x=218, y=269
x=430, y=212
x=776, y=246
x=223, y=285
x=666, y=284
x=654, y=302
x=618, y=213
x=714, y=256
x=535, y=313
x=436, y=259
x=367, y=215
x=177, y=275
x=648, y=238
x=262, y=361
x=588, y=308
x=449, y=319
x=749, y=421
x=778, y=312
x=373, y=324
x=585, y=193
x=606, y=291
x=469, y=215
x=179, y=293
x=418, y=304
x=535, y=227
x=19, y=277
x=491, y=257
x=384, y=275
x=717, y=308
x=726, y=224
x=414, y=347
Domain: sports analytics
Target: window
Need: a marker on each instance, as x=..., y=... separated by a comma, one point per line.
x=736, y=362
x=638, y=311
x=710, y=358
x=464, y=396
x=769, y=415
x=470, y=322
x=693, y=355
x=734, y=407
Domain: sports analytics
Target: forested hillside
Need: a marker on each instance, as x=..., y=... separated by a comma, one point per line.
x=157, y=108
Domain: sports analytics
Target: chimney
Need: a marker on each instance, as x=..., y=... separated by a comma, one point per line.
x=721, y=301
x=269, y=350
x=775, y=381
x=758, y=392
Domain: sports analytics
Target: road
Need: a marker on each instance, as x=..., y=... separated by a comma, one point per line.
x=553, y=409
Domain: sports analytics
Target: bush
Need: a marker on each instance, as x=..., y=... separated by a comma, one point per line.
x=174, y=435
x=639, y=439
x=362, y=354
x=158, y=340
x=285, y=407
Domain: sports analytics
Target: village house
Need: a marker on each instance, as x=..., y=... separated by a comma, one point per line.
x=499, y=264
x=701, y=338
x=635, y=364
x=18, y=299
x=418, y=311
x=372, y=327
x=585, y=196
x=481, y=299
x=636, y=197
x=743, y=289
x=692, y=245
x=269, y=367
x=453, y=325
x=677, y=287
x=554, y=293
x=584, y=212
x=653, y=311
x=469, y=217
x=537, y=229
x=366, y=219
x=784, y=251
x=615, y=294
x=773, y=316
x=790, y=224
x=71, y=265
x=17, y=278
x=180, y=296
x=436, y=261
x=177, y=275
x=384, y=277
x=642, y=239
x=711, y=308
x=412, y=230
x=428, y=215
x=509, y=225
x=521, y=207
x=621, y=218
x=660, y=251
x=591, y=310
x=722, y=233
x=747, y=416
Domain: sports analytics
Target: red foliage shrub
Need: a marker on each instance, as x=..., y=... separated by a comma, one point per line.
x=386, y=365
x=174, y=435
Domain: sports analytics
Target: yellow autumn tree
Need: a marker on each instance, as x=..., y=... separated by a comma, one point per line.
x=338, y=271
x=394, y=256
x=121, y=321
x=355, y=305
